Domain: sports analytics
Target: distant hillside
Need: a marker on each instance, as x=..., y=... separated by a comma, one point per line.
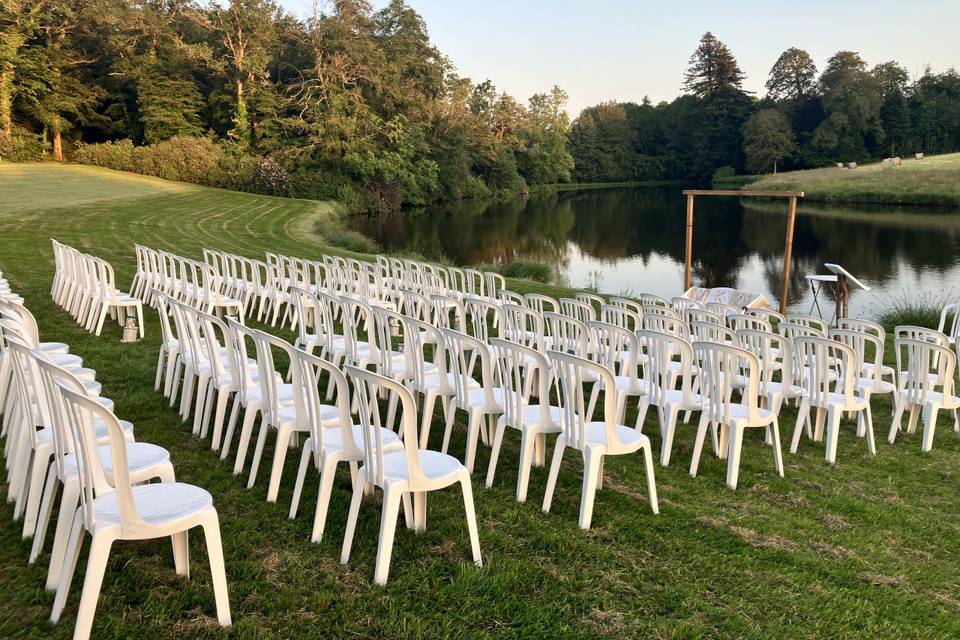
x=935, y=180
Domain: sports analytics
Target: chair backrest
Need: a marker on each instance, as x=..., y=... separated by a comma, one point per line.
x=950, y=321
x=357, y=317
x=265, y=345
x=367, y=385
x=661, y=350
x=621, y=316
x=695, y=314
x=627, y=303
x=775, y=354
x=616, y=348
x=769, y=315
x=82, y=412
x=523, y=326
x=541, y=303
x=722, y=308
x=578, y=309
x=865, y=346
x=923, y=367
x=712, y=332
x=659, y=310
x=517, y=367
x=791, y=331
x=809, y=321
x=654, y=300
x=386, y=323
x=863, y=326
x=462, y=349
x=666, y=324
x=681, y=304
x=505, y=296
x=417, y=336
x=481, y=315
x=306, y=371
x=721, y=367
x=571, y=373
x=828, y=367
x=567, y=334
x=591, y=299
x=449, y=312
x=242, y=333
x=741, y=321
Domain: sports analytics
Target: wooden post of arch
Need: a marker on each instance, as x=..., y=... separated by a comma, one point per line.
x=788, y=242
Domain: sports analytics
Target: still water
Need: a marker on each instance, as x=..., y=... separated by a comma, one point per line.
x=631, y=240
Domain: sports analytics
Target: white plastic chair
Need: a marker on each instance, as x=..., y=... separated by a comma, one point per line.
x=333, y=436
x=925, y=381
x=518, y=367
x=117, y=510
x=594, y=440
x=831, y=371
x=414, y=470
x=720, y=365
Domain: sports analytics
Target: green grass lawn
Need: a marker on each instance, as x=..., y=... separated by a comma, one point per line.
x=935, y=180
x=869, y=548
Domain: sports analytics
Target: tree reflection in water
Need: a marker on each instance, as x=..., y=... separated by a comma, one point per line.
x=734, y=245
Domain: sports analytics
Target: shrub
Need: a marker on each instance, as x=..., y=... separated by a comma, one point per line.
x=538, y=271
x=332, y=233
x=22, y=146
x=184, y=158
x=112, y=155
x=922, y=311
x=255, y=174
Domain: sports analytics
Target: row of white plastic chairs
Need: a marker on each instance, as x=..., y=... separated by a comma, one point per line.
x=263, y=286
x=62, y=434
x=85, y=287
x=194, y=282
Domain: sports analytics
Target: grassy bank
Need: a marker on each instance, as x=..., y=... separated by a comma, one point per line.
x=578, y=186
x=866, y=549
x=932, y=181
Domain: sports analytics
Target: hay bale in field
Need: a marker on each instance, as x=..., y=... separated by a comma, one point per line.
x=851, y=165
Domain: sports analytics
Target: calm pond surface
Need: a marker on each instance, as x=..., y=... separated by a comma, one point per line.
x=631, y=240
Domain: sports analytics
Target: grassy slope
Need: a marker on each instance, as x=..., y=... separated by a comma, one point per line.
x=932, y=181
x=869, y=548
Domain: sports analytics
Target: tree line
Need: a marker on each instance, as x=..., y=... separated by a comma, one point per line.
x=357, y=105
x=349, y=103
x=847, y=112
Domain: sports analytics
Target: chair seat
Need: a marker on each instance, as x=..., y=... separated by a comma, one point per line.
x=333, y=439
x=434, y=465
x=46, y=435
x=140, y=457
x=157, y=504
x=596, y=434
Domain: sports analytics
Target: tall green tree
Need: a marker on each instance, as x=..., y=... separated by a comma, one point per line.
x=793, y=76
x=712, y=69
x=767, y=139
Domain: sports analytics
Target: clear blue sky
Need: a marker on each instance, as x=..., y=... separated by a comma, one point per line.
x=625, y=49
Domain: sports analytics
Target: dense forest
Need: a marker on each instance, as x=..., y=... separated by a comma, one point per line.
x=847, y=113
x=357, y=105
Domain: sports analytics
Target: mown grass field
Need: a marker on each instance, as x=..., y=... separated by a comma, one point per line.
x=869, y=548
x=935, y=180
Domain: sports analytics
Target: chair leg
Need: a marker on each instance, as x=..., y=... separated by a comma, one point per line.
x=735, y=445
x=467, y=489
x=211, y=531
x=698, y=444
x=41, y=463
x=71, y=554
x=61, y=537
x=258, y=452
x=92, y=581
x=246, y=432
x=448, y=428
x=528, y=440
x=669, y=427
x=868, y=426
x=327, y=472
x=305, y=454
x=554, y=472
x=833, y=433
x=223, y=396
x=43, y=518
x=774, y=431
x=896, y=422
x=651, y=480
x=473, y=434
x=591, y=472
x=388, y=526
x=429, y=399
x=930, y=412
x=181, y=553
x=358, y=483
x=495, y=451
x=803, y=414
x=279, y=457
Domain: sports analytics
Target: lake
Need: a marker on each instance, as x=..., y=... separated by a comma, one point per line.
x=631, y=240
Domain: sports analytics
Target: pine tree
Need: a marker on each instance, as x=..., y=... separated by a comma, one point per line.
x=713, y=69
